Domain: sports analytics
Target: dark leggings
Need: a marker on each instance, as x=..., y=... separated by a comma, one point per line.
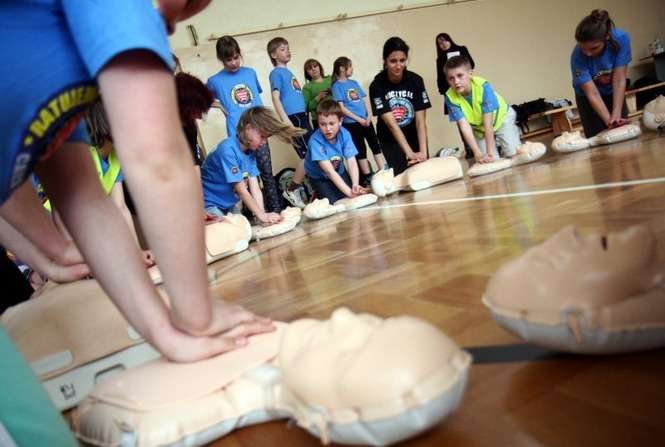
x=272, y=200
x=360, y=134
x=16, y=288
x=395, y=156
x=325, y=188
x=300, y=143
x=591, y=122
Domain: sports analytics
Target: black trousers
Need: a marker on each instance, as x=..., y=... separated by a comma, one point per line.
x=360, y=134
x=591, y=122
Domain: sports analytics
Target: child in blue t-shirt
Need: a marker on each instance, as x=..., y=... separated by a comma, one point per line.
x=599, y=63
x=230, y=172
x=237, y=89
x=330, y=148
x=357, y=116
x=57, y=56
x=290, y=106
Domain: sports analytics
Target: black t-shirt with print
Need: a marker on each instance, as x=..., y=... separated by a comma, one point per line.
x=403, y=100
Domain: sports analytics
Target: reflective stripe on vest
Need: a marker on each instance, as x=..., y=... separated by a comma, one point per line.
x=473, y=112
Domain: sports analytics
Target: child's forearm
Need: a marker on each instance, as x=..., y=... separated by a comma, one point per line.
x=352, y=164
x=596, y=101
x=467, y=134
x=241, y=189
x=334, y=177
x=279, y=108
x=618, y=90
x=488, y=119
x=350, y=114
x=255, y=191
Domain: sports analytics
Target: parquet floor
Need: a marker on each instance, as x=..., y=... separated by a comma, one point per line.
x=431, y=253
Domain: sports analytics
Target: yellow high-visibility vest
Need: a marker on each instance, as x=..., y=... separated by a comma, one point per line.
x=473, y=112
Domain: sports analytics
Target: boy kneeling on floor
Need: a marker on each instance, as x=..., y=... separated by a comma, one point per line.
x=331, y=153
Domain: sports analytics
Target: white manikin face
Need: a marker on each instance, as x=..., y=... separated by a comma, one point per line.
x=579, y=271
x=654, y=114
x=359, y=360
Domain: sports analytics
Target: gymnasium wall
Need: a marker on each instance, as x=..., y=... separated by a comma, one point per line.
x=521, y=46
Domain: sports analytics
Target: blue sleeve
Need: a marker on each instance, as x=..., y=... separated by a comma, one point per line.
x=258, y=84
x=348, y=149
x=252, y=167
x=275, y=83
x=316, y=150
x=211, y=86
x=230, y=165
x=454, y=111
x=120, y=177
x=581, y=73
x=624, y=55
x=490, y=103
x=337, y=92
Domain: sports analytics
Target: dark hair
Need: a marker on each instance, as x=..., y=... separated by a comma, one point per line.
x=596, y=26
x=227, y=47
x=329, y=107
x=340, y=62
x=394, y=44
x=439, y=51
x=98, y=124
x=194, y=98
x=273, y=45
x=456, y=62
x=308, y=64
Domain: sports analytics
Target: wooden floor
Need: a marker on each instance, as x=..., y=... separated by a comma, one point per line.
x=431, y=253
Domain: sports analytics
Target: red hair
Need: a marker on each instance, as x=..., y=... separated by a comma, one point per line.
x=194, y=98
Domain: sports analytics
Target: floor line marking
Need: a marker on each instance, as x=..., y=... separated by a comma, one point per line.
x=522, y=194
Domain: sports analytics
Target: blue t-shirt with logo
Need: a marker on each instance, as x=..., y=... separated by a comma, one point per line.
x=352, y=95
x=52, y=52
x=227, y=165
x=290, y=91
x=236, y=92
x=488, y=105
x=320, y=149
x=599, y=69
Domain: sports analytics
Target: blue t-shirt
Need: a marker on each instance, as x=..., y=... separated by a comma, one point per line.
x=236, y=92
x=351, y=94
x=320, y=149
x=227, y=165
x=489, y=104
x=290, y=91
x=599, y=69
x=52, y=52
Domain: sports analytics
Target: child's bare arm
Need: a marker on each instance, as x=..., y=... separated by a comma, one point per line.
x=467, y=134
x=334, y=177
x=368, y=109
x=351, y=115
x=596, y=101
x=249, y=197
x=352, y=165
x=279, y=108
x=490, y=143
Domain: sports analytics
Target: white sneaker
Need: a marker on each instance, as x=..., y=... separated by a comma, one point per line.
x=295, y=197
x=449, y=152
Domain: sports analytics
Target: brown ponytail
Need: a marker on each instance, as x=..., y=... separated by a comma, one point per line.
x=597, y=26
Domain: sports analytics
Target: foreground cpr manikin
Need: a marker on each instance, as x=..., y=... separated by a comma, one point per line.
x=290, y=218
x=575, y=141
x=431, y=172
x=654, y=114
x=229, y=236
x=321, y=208
x=587, y=294
x=352, y=379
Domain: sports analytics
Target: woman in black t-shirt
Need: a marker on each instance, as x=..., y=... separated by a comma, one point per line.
x=399, y=100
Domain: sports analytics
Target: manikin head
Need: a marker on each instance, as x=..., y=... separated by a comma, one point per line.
x=654, y=114
x=278, y=50
x=570, y=270
x=356, y=360
x=228, y=53
x=458, y=74
x=329, y=116
x=259, y=123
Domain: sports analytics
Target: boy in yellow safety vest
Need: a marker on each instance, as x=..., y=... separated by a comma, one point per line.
x=483, y=116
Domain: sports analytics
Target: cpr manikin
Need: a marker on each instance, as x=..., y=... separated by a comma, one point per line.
x=71, y=334
x=654, y=114
x=352, y=379
x=426, y=174
x=229, y=236
x=575, y=141
x=526, y=153
x=589, y=294
x=321, y=208
x=291, y=217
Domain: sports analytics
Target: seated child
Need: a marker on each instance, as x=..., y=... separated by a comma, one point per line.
x=230, y=172
x=330, y=147
x=481, y=114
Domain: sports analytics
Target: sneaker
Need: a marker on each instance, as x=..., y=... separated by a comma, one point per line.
x=449, y=152
x=295, y=197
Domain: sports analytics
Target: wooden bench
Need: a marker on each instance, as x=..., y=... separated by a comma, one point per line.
x=561, y=123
